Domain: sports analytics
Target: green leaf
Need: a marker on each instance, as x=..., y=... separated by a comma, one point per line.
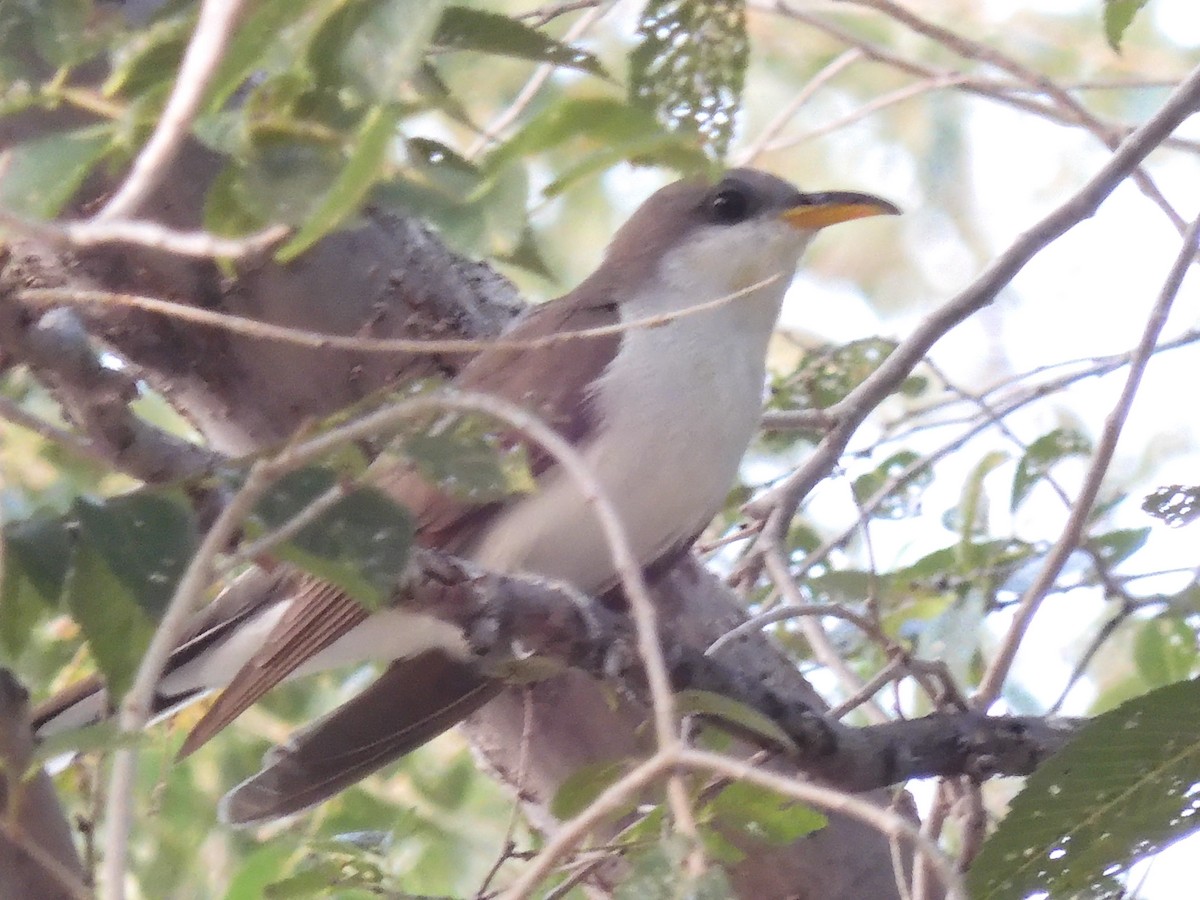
x=995, y=560
x=841, y=586
x=40, y=176
x=116, y=627
x=469, y=460
x=584, y=785
x=259, y=37
x=62, y=33
x=458, y=223
x=1118, y=16
x=313, y=881
x=362, y=169
x=41, y=547
x=904, y=499
x=610, y=128
x=969, y=518
x=224, y=212
x=373, y=46
x=482, y=212
x=443, y=168
x=448, y=787
x=282, y=178
x=764, y=815
x=659, y=874
x=429, y=86
x=1165, y=651
x=1117, y=546
x=1041, y=456
x=261, y=867
x=462, y=28
x=37, y=556
x=1175, y=504
x=827, y=374
x=360, y=543
x=145, y=539
x=148, y=61
x=705, y=703
x=664, y=150
x=689, y=67
x=527, y=255
x=1124, y=788
x=21, y=608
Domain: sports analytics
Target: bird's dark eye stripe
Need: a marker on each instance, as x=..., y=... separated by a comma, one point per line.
x=729, y=205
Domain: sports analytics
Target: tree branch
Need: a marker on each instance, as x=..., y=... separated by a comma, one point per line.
x=779, y=504
x=993, y=680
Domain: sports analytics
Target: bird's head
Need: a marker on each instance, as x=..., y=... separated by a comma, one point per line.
x=748, y=227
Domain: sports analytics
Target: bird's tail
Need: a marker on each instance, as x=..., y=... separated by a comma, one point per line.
x=412, y=702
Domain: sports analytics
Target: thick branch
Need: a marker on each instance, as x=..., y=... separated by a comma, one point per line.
x=96, y=396
x=506, y=618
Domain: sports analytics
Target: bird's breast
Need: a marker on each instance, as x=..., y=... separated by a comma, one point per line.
x=676, y=409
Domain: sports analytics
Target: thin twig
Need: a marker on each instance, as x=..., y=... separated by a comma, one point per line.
x=532, y=87
x=883, y=820
x=785, y=115
x=900, y=95
x=326, y=341
x=993, y=679
x=545, y=14
x=611, y=800
x=63, y=877
x=214, y=28
x=193, y=244
x=73, y=443
x=1106, y=631
x=979, y=52
x=508, y=845
x=780, y=503
x=794, y=611
x=135, y=707
x=1001, y=92
x=817, y=637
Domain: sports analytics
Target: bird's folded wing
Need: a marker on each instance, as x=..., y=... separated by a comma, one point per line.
x=551, y=380
x=317, y=616
x=413, y=701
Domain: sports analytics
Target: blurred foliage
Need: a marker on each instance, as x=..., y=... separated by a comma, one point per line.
x=689, y=66
x=1124, y=787
x=1118, y=16
x=1174, y=504
x=933, y=527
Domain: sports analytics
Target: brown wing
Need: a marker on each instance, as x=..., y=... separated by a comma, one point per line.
x=413, y=701
x=550, y=380
x=318, y=615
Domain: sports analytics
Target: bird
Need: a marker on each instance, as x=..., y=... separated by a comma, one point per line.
x=662, y=415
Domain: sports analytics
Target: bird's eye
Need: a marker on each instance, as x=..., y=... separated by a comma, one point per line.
x=729, y=205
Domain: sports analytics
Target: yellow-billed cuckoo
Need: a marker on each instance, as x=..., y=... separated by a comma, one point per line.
x=662, y=415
